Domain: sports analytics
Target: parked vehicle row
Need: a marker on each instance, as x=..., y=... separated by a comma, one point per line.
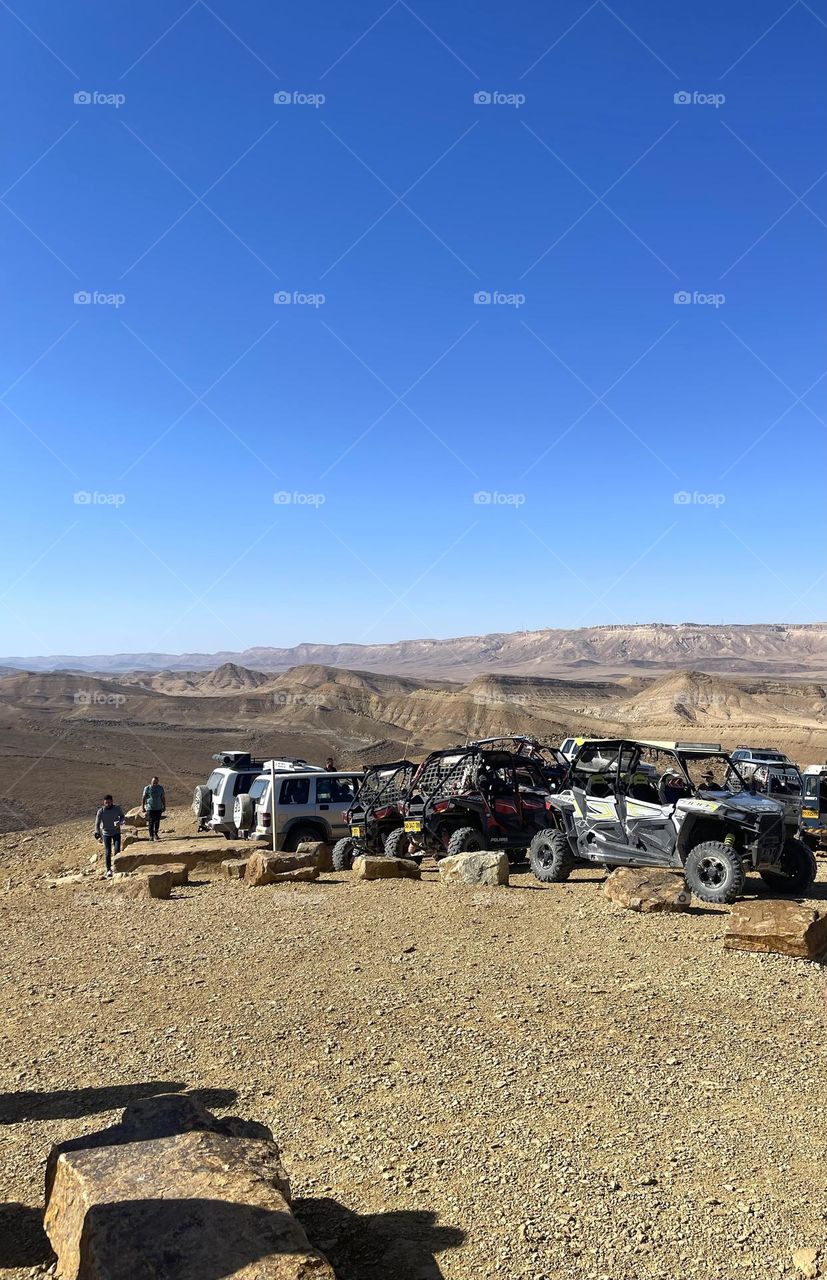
x=610, y=801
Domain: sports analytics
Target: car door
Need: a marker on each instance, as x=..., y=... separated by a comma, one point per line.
x=649, y=822
x=598, y=802
x=334, y=794
x=295, y=801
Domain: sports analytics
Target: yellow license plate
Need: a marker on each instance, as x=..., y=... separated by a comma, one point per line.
x=413, y=826
x=809, y=813
x=355, y=831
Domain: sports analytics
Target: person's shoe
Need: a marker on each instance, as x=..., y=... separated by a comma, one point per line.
x=107, y=875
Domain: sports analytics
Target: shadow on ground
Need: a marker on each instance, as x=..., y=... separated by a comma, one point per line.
x=23, y=1242
x=70, y=1104
x=208, y=1239
x=402, y=1244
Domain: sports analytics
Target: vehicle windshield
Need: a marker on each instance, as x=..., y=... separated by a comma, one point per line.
x=259, y=787
x=713, y=772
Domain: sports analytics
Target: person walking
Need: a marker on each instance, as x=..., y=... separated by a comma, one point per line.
x=153, y=803
x=108, y=821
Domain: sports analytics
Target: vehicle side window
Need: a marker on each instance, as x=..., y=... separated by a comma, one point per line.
x=332, y=790
x=295, y=791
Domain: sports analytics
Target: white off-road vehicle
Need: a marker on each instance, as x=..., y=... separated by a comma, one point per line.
x=213, y=802
x=691, y=810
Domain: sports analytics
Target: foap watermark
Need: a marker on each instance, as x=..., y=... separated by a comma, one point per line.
x=282, y=699
x=685, y=298
x=493, y=498
x=95, y=298
x=94, y=98
x=285, y=298
x=693, y=98
x=93, y=498
x=295, y=98
x=494, y=98
x=683, y=498
x=285, y=498
x=495, y=298
x=96, y=698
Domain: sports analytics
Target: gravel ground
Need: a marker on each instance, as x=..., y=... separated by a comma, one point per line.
x=523, y=1082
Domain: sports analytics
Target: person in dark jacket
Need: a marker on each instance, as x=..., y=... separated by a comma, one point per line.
x=108, y=821
x=153, y=803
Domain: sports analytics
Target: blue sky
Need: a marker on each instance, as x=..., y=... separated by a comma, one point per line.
x=420, y=156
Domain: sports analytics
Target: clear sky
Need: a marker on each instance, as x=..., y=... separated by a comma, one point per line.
x=653, y=269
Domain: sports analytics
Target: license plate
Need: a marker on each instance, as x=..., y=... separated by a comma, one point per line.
x=355, y=831
x=809, y=813
x=413, y=825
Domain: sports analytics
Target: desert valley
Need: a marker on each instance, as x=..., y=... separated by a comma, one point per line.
x=69, y=735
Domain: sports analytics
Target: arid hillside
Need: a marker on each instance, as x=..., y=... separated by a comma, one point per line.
x=68, y=738
x=593, y=652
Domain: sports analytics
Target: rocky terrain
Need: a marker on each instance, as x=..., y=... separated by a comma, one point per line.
x=66, y=738
x=524, y=1082
x=759, y=648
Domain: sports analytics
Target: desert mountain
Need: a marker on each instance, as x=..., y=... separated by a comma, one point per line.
x=66, y=738
x=758, y=649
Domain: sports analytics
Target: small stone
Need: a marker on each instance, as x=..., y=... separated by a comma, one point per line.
x=178, y=871
x=234, y=868
x=806, y=1261
x=323, y=853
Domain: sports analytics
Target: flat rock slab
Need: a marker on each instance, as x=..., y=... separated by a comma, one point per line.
x=366, y=867
x=648, y=889
x=234, y=868
x=323, y=853
x=489, y=867
x=195, y=852
x=776, y=926
x=277, y=868
x=194, y=1205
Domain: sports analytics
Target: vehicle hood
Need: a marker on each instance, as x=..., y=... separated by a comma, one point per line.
x=743, y=801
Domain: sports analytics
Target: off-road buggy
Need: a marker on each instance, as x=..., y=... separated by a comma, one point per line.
x=376, y=811
x=470, y=798
x=697, y=813
x=554, y=764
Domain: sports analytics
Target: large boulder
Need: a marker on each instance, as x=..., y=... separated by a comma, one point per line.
x=135, y=817
x=151, y=884
x=772, y=925
x=366, y=867
x=234, y=868
x=648, y=889
x=277, y=868
x=173, y=1192
x=474, y=868
x=322, y=851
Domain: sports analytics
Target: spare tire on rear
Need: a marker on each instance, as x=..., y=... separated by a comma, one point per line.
x=202, y=801
x=244, y=813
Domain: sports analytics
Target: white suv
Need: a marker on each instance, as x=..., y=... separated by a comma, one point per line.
x=310, y=805
x=213, y=800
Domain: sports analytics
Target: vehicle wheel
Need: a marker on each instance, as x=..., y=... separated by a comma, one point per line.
x=714, y=872
x=344, y=851
x=297, y=835
x=550, y=856
x=465, y=840
x=399, y=844
x=796, y=871
x=244, y=813
x=202, y=802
